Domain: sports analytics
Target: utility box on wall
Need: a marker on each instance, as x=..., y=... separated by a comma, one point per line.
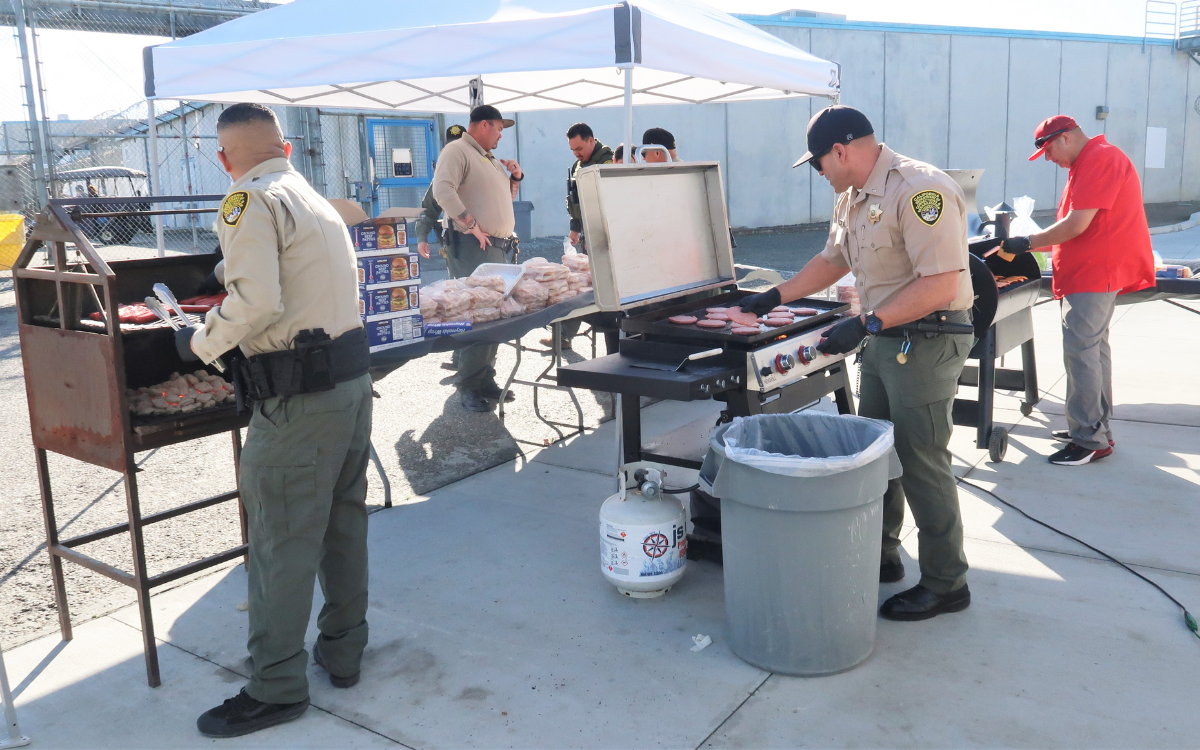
x=402, y=162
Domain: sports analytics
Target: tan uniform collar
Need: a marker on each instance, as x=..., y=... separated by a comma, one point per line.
x=270, y=166
x=466, y=138
x=877, y=181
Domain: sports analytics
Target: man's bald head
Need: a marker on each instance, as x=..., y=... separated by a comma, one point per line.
x=248, y=135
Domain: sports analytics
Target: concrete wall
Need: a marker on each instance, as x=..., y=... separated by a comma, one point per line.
x=961, y=99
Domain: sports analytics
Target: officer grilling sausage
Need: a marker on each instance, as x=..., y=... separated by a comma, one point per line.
x=292, y=310
x=901, y=226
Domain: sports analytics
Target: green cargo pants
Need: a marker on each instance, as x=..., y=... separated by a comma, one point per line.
x=917, y=398
x=477, y=363
x=304, y=483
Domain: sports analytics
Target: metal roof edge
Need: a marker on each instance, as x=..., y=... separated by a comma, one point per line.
x=912, y=28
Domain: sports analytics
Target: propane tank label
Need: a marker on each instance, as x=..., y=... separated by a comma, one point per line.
x=643, y=552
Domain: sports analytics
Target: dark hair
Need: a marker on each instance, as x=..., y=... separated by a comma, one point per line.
x=620, y=152
x=658, y=137
x=580, y=130
x=237, y=114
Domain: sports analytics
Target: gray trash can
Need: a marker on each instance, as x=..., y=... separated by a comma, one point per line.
x=801, y=525
x=523, y=213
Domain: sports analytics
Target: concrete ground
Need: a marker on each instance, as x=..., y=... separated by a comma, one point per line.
x=492, y=627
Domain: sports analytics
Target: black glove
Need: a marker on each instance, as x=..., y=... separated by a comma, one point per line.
x=183, y=344
x=1015, y=245
x=761, y=304
x=843, y=337
x=210, y=285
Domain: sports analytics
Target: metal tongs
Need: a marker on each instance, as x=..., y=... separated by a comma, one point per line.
x=166, y=299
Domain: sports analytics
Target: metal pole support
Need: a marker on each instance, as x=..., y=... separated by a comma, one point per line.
x=14, y=738
x=152, y=168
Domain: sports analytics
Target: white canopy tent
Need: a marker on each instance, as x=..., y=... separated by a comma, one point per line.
x=518, y=55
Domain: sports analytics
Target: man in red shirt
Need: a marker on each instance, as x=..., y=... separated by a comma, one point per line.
x=1100, y=249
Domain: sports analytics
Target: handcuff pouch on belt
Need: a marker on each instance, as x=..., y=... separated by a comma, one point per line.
x=315, y=363
x=510, y=246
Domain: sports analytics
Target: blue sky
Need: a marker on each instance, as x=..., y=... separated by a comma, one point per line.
x=87, y=74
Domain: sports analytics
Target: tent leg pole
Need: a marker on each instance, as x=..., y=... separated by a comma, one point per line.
x=629, y=159
x=11, y=737
x=152, y=168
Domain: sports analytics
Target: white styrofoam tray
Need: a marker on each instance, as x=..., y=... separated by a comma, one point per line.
x=509, y=272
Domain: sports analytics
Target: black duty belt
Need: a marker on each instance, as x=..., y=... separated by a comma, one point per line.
x=315, y=363
x=934, y=324
x=510, y=246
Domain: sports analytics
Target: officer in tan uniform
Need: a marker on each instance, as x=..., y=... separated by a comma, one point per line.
x=292, y=311
x=476, y=191
x=901, y=226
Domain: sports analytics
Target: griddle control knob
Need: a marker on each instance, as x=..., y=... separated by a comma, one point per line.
x=807, y=354
x=784, y=362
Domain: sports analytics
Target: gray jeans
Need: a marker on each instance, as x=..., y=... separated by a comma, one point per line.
x=1088, y=360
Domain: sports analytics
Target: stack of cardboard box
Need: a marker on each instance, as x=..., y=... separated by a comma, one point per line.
x=389, y=282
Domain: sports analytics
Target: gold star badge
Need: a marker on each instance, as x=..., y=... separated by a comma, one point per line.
x=875, y=213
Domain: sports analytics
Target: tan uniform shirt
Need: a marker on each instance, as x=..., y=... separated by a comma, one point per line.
x=470, y=179
x=908, y=221
x=289, y=266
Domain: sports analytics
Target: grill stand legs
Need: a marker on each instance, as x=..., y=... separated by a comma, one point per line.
x=1002, y=337
x=140, y=580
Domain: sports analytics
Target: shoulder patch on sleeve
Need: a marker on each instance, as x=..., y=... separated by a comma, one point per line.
x=928, y=206
x=233, y=207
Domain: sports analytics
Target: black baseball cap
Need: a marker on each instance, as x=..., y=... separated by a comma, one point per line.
x=454, y=132
x=488, y=112
x=658, y=137
x=836, y=124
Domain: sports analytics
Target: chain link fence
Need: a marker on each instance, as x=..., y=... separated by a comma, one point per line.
x=74, y=66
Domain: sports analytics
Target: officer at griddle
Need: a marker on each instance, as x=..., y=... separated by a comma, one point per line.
x=292, y=311
x=475, y=189
x=901, y=226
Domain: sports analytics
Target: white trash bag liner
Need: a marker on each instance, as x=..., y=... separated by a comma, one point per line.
x=807, y=444
x=1023, y=225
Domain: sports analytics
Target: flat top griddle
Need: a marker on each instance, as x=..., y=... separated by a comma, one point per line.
x=657, y=324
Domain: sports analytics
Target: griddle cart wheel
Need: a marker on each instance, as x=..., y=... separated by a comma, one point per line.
x=1026, y=409
x=998, y=444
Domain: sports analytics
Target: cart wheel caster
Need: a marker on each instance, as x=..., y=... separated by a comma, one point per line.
x=1026, y=409
x=998, y=444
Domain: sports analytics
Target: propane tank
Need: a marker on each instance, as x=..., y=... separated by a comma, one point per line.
x=643, y=535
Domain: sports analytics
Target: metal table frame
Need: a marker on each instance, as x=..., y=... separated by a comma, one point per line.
x=548, y=381
x=12, y=728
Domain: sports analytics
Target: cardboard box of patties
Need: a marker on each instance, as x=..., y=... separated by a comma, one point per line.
x=395, y=329
x=388, y=298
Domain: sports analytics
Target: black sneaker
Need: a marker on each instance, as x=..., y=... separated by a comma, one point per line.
x=1076, y=455
x=491, y=391
x=242, y=714
x=337, y=682
x=1064, y=436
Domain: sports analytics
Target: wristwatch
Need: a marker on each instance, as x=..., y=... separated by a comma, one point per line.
x=874, y=325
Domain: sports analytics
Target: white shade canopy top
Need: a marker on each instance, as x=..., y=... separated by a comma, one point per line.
x=421, y=56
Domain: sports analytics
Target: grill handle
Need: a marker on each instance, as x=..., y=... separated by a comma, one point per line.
x=705, y=354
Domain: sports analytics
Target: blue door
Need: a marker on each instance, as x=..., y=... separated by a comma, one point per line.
x=403, y=152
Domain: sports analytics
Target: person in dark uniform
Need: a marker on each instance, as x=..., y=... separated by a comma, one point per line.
x=429, y=219
x=901, y=226
x=588, y=151
x=658, y=137
x=619, y=155
x=292, y=311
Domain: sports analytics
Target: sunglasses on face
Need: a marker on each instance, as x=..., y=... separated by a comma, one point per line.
x=815, y=162
x=1039, y=142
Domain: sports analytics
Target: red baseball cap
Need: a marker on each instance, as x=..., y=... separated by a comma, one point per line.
x=1051, y=128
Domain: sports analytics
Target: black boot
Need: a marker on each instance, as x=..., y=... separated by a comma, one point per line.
x=337, y=682
x=919, y=603
x=474, y=401
x=891, y=571
x=242, y=714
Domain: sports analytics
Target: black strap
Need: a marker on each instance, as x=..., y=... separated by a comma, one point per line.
x=314, y=364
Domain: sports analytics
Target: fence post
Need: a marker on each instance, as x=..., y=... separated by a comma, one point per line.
x=35, y=139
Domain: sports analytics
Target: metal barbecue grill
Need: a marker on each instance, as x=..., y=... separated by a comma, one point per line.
x=78, y=371
x=659, y=240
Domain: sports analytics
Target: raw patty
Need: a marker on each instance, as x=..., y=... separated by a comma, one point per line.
x=787, y=315
x=717, y=316
x=682, y=320
x=745, y=330
x=739, y=317
x=711, y=323
x=781, y=308
x=803, y=310
x=716, y=309
x=776, y=322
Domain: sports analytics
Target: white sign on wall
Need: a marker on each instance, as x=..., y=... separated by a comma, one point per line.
x=1156, y=148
